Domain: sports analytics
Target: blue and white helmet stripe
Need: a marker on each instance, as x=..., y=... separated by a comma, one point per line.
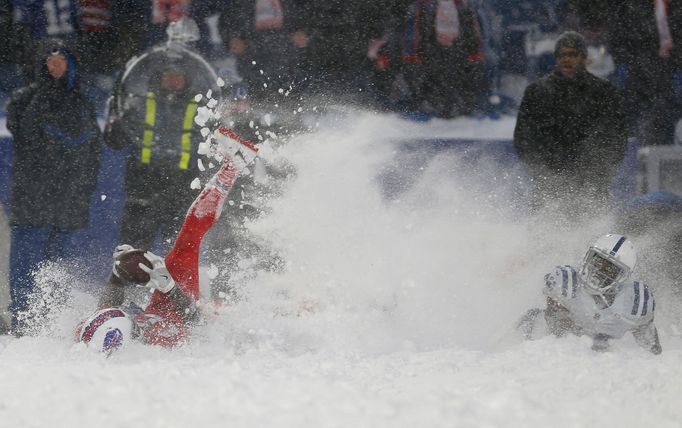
x=618, y=245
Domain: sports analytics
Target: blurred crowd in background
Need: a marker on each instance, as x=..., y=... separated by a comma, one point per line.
x=138, y=65
x=425, y=58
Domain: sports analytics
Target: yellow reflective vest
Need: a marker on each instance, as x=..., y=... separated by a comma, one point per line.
x=185, y=140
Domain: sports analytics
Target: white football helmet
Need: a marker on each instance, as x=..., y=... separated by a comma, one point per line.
x=607, y=263
x=107, y=330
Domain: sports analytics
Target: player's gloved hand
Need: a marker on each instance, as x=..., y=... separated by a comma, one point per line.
x=159, y=277
x=120, y=249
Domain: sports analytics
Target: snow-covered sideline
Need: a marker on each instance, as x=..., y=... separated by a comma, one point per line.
x=391, y=312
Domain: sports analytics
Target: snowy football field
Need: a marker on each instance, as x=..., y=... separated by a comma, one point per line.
x=395, y=309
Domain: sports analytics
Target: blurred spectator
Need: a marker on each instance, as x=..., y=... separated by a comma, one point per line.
x=340, y=33
x=7, y=48
x=160, y=13
x=525, y=23
x=641, y=43
x=113, y=27
x=675, y=23
x=491, y=39
x=268, y=38
x=206, y=13
x=570, y=132
x=589, y=17
x=528, y=30
x=88, y=27
x=143, y=23
x=35, y=20
x=12, y=78
x=57, y=145
x=441, y=55
x=97, y=34
x=675, y=20
x=131, y=18
x=106, y=39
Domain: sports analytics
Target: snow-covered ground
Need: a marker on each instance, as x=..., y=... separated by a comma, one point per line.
x=391, y=312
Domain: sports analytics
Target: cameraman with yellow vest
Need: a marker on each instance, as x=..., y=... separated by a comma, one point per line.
x=163, y=139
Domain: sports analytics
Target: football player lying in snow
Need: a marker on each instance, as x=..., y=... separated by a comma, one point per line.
x=175, y=280
x=598, y=301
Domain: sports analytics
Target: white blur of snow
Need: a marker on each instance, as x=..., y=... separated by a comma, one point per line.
x=391, y=312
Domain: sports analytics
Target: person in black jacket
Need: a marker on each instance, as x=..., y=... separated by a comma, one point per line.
x=57, y=145
x=570, y=131
x=340, y=33
x=441, y=56
x=268, y=38
x=641, y=39
x=163, y=139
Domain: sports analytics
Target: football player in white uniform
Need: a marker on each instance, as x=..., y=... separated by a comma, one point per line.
x=598, y=300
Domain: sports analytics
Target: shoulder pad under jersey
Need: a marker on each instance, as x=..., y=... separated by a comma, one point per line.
x=638, y=300
x=562, y=282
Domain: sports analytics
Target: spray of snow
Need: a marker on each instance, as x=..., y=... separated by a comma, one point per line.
x=393, y=308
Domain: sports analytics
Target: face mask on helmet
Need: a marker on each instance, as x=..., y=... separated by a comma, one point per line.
x=607, y=263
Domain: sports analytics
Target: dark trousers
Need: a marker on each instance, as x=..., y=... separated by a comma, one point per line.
x=30, y=247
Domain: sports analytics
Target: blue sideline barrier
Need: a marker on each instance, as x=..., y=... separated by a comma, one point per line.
x=94, y=244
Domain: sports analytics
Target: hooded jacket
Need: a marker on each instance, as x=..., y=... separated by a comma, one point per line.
x=57, y=147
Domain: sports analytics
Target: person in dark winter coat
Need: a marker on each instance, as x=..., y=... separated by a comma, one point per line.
x=340, y=32
x=641, y=40
x=441, y=56
x=37, y=20
x=570, y=131
x=57, y=145
x=269, y=39
x=163, y=141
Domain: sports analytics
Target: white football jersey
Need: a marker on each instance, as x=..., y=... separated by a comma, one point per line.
x=632, y=307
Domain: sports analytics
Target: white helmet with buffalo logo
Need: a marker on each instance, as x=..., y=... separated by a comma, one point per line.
x=107, y=330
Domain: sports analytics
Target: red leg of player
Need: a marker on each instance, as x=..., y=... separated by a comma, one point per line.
x=183, y=259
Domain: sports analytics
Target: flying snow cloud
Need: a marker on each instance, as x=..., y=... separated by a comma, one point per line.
x=443, y=261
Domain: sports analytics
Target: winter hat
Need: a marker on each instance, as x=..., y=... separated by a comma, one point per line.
x=571, y=39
